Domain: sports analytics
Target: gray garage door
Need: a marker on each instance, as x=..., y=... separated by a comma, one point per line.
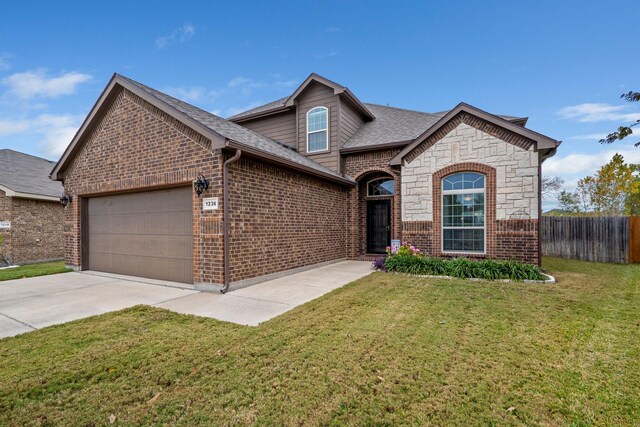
x=142, y=234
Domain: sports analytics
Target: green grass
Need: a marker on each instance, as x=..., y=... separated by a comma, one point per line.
x=383, y=350
x=33, y=270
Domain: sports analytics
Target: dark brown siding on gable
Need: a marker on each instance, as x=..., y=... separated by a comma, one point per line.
x=350, y=122
x=314, y=96
x=281, y=127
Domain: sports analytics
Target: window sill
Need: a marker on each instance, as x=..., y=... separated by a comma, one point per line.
x=461, y=254
x=318, y=152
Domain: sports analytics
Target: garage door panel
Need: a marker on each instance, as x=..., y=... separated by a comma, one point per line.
x=143, y=234
x=144, y=245
x=142, y=224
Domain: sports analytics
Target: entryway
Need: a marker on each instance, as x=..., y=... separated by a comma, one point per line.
x=378, y=225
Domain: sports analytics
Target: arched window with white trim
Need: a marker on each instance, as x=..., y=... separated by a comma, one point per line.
x=463, y=213
x=317, y=130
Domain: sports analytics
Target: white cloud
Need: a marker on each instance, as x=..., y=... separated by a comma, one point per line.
x=56, y=131
x=4, y=63
x=11, y=127
x=598, y=112
x=235, y=110
x=587, y=137
x=179, y=35
x=35, y=83
x=189, y=93
x=585, y=164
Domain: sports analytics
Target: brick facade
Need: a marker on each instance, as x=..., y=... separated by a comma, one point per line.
x=35, y=233
x=364, y=167
x=281, y=219
x=138, y=147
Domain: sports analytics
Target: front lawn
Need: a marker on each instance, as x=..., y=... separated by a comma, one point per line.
x=386, y=349
x=33, y=270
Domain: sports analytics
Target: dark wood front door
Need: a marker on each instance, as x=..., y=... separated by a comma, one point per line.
x=378, y=226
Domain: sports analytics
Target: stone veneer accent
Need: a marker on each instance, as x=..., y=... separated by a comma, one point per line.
x=516, y=173
x=512, y=201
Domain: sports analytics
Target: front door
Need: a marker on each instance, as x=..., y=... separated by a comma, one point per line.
x=378, y=226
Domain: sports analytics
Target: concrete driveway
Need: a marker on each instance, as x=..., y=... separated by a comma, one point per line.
x=34, y=303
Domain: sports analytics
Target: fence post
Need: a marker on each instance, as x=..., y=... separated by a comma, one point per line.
x=634, y=239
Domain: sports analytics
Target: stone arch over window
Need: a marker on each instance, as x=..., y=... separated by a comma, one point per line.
x=489, y=174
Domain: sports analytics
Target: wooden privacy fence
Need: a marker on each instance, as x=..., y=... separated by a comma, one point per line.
x=603, y=239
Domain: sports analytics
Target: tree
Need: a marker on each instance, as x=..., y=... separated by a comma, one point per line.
x=551, y=185
x=624, y=131
x=569, y=201
x=613, y=190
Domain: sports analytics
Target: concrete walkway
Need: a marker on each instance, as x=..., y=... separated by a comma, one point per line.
x=34, y=303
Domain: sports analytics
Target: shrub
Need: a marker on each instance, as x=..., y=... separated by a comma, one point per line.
x=378, y=264
x=409, y=259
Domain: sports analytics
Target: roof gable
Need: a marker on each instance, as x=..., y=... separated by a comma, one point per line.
x=337, y=90
x=289, y=102
x=504, y=129
x=221, y=132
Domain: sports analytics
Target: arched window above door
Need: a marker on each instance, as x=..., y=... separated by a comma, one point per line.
x=381, y=187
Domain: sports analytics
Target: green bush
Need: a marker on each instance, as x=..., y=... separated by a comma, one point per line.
x=462, y=268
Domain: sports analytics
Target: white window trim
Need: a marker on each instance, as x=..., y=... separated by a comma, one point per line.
x=326, y=110
x=386, y=179
x=484, y=227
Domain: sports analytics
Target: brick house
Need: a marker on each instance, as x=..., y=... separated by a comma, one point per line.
x=30, y=210
x=308, y=179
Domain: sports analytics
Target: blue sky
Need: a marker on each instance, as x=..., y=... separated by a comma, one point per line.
x=563, y=64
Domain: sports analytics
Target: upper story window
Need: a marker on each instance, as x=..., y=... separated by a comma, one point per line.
x=317, y=129
x=380, y=187
x=463, y=212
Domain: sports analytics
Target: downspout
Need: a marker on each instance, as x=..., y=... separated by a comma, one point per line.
x=225, y=221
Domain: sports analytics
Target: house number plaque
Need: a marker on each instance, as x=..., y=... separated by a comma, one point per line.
x=210, y=204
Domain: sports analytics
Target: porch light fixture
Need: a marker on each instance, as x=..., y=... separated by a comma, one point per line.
x=200, y=184
x=65, y=199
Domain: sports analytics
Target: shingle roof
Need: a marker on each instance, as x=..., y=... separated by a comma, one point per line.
x=391, y=125
x=266, y=107
x=24, y=173
x=236, y=132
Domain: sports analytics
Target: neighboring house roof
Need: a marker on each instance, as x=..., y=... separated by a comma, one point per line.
x=26, y=176
x=544, y=144
x=223, y=133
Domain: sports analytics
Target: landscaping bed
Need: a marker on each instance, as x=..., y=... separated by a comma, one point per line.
x=410, y=260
